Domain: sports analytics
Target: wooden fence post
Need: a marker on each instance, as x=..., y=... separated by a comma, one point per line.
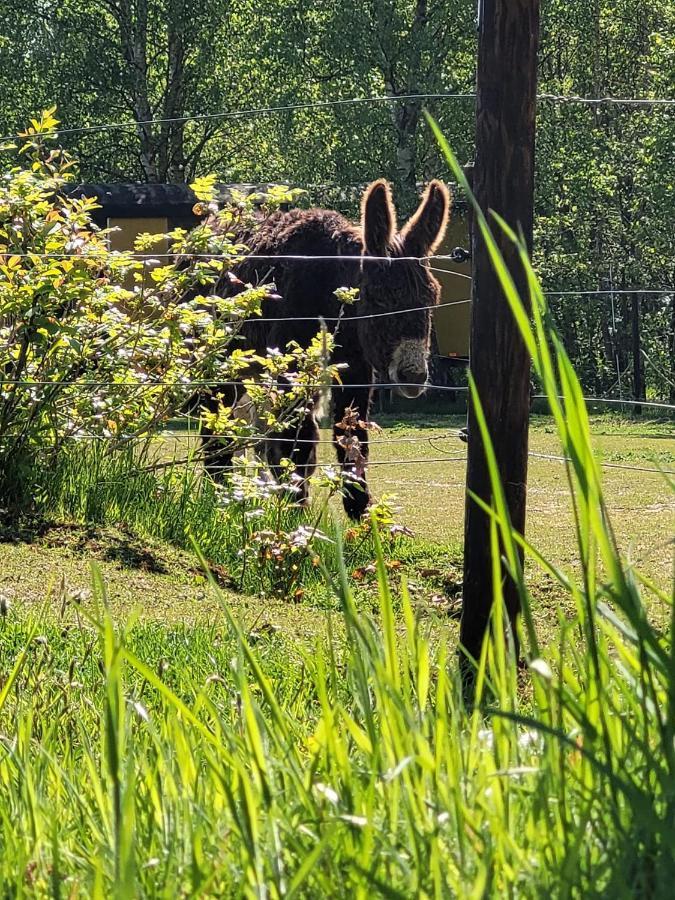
x=503, y=181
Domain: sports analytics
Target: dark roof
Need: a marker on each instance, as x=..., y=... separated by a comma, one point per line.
x=177, y=200
x=120, y=200
x=143, y=199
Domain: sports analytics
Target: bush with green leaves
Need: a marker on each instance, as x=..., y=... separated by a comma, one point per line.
x=85, y=355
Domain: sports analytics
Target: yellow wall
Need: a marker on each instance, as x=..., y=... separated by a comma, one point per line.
x=453, y=323
x=129, y=229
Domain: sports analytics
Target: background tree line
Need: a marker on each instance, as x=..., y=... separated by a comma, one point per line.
x=605, y=178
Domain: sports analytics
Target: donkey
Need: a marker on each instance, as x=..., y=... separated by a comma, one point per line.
x=387, y=331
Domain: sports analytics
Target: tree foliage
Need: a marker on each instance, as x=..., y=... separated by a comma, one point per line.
x=605, y=191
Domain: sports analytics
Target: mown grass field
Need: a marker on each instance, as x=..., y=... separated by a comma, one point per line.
x=167, y=584
x=641, y=504
x=228, y=745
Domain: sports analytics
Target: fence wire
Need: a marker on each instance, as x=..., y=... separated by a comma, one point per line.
x=288, y=385
x=605, y=465
x=565, y=99
x=405, y=461
x=242, y=256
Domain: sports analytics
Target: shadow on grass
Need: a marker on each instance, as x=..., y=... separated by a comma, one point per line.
x=109, y=544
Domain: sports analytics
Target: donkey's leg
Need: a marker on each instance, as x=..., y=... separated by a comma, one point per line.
x=218, y=451
x=297, y=443
x=352, y=403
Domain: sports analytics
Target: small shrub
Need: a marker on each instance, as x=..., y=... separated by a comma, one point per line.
x=82, y=356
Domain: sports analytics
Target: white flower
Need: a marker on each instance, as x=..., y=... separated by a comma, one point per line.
x=530, y=740
x=542, y=668
x=487, y=737
x=327, y=792
x=360, y=821
x=141, y=711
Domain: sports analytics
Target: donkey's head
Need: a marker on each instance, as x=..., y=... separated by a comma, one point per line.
x=397, y=346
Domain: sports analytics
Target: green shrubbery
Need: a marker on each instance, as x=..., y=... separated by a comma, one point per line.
x=97, y=344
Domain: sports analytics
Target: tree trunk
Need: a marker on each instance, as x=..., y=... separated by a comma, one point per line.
x=500, y=364
x=132, y=23
x=406, y=121
x=672, y=349
x=405, y=114
x=638, y=373
x=172, y=134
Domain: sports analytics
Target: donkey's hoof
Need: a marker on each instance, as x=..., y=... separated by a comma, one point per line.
x=355, y=499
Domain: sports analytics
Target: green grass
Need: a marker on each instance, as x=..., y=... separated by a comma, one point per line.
x=230, y=745
x=223, y=757
x=142, y=545
x=212, y=760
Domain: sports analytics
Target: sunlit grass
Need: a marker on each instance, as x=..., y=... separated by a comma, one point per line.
x=210, y=761
x=141, y=760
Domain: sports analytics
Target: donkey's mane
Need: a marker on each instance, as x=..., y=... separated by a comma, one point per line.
x=309, y=231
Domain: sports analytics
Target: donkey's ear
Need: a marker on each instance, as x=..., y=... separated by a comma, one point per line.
x=426, y=229
x=378, y=218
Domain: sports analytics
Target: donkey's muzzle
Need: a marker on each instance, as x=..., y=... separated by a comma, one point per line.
x=412, y=383
x=408, y=368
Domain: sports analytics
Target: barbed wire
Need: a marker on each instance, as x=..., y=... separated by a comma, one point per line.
x=259, y=111
x=636, y=102
x=187, y=434
x=644, y=102
x=346, y=468
x=248, y=440
x=220, y=383
x=453, y=458
x=346, y=319
x=583, y=293
x=312, y=386
x=346, y=386
x=451, y=435
x=299, y=257
x=243, y=257
x=657, y=404
x=238, y=467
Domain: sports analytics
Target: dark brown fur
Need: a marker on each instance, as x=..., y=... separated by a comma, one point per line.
x=367, y=346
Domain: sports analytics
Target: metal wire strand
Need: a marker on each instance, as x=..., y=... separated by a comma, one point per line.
x=312, y=386
x=606, y=465
x=439, y=459
x=242, y=257
x=637, y=102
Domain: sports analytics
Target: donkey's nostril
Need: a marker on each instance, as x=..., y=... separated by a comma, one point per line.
x=409, y=367
x=412, y=376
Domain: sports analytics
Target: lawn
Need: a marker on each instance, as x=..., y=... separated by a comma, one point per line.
x=228, y=745
x=641, y=504
x=166, y=583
